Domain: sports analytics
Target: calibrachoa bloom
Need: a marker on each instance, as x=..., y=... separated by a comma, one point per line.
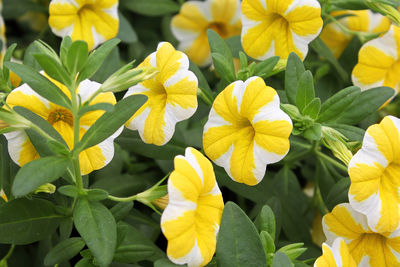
x=93, y=21
x=191, y=220
x=172, y=95
x=22, y=150
x=364, y=21
x=195, y=17
x=246, y=130
x=379, y=62
x=367, y=247
x=279, y=27
x=337, y=255
x=375, y=176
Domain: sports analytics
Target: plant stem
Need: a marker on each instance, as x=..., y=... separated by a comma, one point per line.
x=9, y=253
x=122, y=199
x=332, y=161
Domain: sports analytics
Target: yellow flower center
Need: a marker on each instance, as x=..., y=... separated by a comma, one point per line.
x=278, y=19
x=86, y=8
x=61, y=115
x=220, y=28
x=245, y=126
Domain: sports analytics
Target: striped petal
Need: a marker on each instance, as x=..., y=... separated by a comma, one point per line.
x=337, y=255
x=191, y=220
x=246, y=130
x=277, y=28
x=172, y=96
x=375, y=176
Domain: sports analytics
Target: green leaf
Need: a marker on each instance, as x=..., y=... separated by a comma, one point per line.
x=121, y=210
x=313, y=108
x=265, y=221
x=365, y=104
x=221, y=65
x=85, y=262
x=235, y=45
x=351, y=132
x=77, y=56
x=338, y=193
x=126, y=33
x=64, y=251
x=53, y=68
x=350, y=4
x=38, y=172
x=98, y=106
x=24, y=221
x=7, y=58
x=238, y=242
x=267, y=242
x=96, y=194
x=69, y=190
x=96, y=59
x=151, y=7
x=64, y=47
x=29, y=59
x=264, y=68
x=338, y=103
x=313, y=133
x=305, y=90
x=97, y=227
x=111, y=121
x=320, y=47
x=281, y=260
x=133, y=253
x=40, y=84
x=294, y=70
x=218, y=45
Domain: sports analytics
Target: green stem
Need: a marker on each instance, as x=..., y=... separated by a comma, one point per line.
x=9, y=253
x=122, y=199
x=332, y=161
x=205, y=97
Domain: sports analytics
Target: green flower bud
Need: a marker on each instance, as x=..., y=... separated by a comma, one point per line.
x=336, y=142
x=387, y=10
x=46, y=188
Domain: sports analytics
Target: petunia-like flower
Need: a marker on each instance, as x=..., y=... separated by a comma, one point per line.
x=172, y=95
x=337, y=255
x=279, y=27
x=195, y=17
x=375, y=176
x=367, y=247
x=379, y=62
x=246, y=130
x=22, y=150
x=93, y=21
x=364, y=21
x=191, y=220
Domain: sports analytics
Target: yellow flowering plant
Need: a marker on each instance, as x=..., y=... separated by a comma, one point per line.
x=258, y=133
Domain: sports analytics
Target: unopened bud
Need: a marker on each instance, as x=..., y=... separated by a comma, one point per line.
x=46, y=188
x=387, y=10
x=336, y=142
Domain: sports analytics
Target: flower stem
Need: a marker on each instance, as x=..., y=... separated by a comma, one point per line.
x=122, y=199
x=9, y=253
x=332, y=161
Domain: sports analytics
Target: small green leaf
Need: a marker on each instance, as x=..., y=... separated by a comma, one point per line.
x=64, y=47
x=264, y=68
x=305, y=90
x=64, y=251
x=218, y=45
x=7, y=58
x=221, y=65
x=267, y=242
x=238, y=242
x=350, y=4
x=294, y=70
x=38, y=172
x=24, y=221
x=97, y=227
x=53, y=68
x=96, y=194
x=338, y=193
x=313, y=133
x=265, y=221
x=313, y=108
x=338, y=103
x=281, y=260
x=126, y=33
x=351, y=132
x=98, y=106
x=40, y=84
x=85, y=262
x=133, y=253
x=69, y=190
x=151, y=7
x=110, y=122
x=77, y=56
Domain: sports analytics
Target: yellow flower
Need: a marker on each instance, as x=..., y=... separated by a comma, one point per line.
x=191, y=220
x=337, y=255
x=93, y=21
x=279, y=27
x=364, y=21
x=193, y=20
x=172, y=95
x=3, y=195
x=375, y=176
x=246, y=130
x=2, y=34
x=22, y=150
x=379, y=62
x=367, y=247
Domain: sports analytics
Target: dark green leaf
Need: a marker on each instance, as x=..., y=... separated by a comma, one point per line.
x=110, y=122
x=7, y=57
x=96, y=194
x=238, y=241
x=53, y=68
x=126, y=33
x=64, y=47
x=97, y=227
x=265, y=221
x=281, y=260
x=64, y=250
x=235, y=45
x=29, y=59
x=203, y=84
x=338, y=103
x=165, y=263
x=313, y=108
x=133, y=253
x=294, y=70
x=218, y=45
x=338, y=193
x=121, y=210
x=85, y=262
x=40, y=84
x=305, y=90
x=264, y=68
x=151, y=7
x=221, y=65
x=69, y=190
x=351, y=132
x=350, y=4
x=38, y=172
x=77, y=56
x=24, y=221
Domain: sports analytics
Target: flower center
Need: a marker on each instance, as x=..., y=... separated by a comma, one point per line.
x=61, y=115
x=86, y=7
x=220, y=28
x=278, y=19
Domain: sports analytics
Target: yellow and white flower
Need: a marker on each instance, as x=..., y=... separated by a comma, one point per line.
x=367, y=247
x=21, y=149
x=93, y=21
x=364, y=21
x=246, y=130
x=172, y=95
x=379, y=62
x=195, y=17
x=375, y=176
x=191, y=220
x=337, y=255
x=279, y=27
